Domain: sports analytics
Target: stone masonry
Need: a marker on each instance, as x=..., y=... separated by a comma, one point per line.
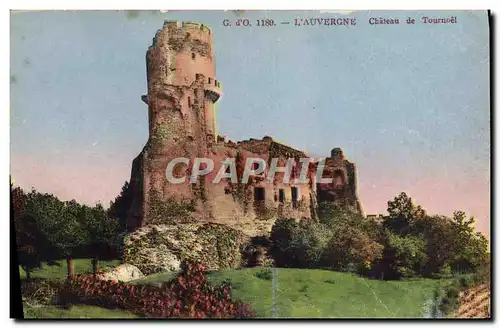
x=182, y=92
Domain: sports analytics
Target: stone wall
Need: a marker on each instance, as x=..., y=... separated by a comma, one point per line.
x=182, y=90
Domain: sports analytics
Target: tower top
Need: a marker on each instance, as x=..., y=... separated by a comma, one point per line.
x=186, y=25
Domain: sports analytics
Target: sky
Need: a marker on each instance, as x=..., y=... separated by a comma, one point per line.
x=409, y=104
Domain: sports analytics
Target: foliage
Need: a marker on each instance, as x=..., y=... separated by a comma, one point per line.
x=300, y=294
x=282, y=234
x=118, y=209
x=48, y=229
x=39, y=291
x=482, y=275
x=408, y=243
x=170, y=211
x=188, y=295
x=430, y=246
x=351, y=249
x=471, y=247
x=403, y=214
x=28, y=234
x=265, y=274
x=341, y=240
x=406, y=255
x=309, y=243
x=57, y=270
x=450, y=298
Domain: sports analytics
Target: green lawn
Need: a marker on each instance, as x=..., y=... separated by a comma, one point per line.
x=324, y=294
x=76, y=311
x=59, y=271
x=298, y=294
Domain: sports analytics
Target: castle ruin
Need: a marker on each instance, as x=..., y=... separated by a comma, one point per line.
x=182, y=91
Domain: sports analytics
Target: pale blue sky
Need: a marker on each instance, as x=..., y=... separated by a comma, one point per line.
x=409, y=103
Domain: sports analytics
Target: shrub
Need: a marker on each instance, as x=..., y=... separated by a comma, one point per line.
x=265, y=274
x=39, y=291
x=406, y=255
x=450, y=299
x=483, y=272
x=189, y=295
x=351, y=249
x=309, y=243
x=467, y=281
x=299, y=244
x=281, y=236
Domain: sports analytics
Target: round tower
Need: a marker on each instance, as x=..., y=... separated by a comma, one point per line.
x=182, y=87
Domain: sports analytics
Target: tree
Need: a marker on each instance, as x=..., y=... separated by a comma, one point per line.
x=282, y=234
x=403, y=214
x=58, y=221
x=471, y=247
x=439, y=240
x=29, y=238
x=119, y=208
x=103, y=233
x=351, y=248
x=404, y=256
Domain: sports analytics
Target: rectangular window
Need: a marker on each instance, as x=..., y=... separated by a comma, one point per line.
x=282, y=195
x=295, y=197
x=259, y=194
x=295, y=194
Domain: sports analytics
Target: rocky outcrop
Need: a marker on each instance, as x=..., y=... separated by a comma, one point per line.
x=123, y=272
x=158, y=248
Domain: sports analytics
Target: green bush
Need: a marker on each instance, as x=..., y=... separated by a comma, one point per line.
x=450, y=298
x=299, y=244
x=467, y=281
x=265, y=274
x=310, y=244
x=406, y=255
x=351, y=249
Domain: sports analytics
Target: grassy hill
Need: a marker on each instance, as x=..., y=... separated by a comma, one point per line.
x=299, y=293
x=302, y=293
x=75, y=312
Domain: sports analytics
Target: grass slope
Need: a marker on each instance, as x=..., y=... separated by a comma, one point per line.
x=323, y=294
x=76, y=312
x=59, y=271
x=299, y=293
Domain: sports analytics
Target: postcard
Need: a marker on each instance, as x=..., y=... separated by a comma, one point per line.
x=247, y=164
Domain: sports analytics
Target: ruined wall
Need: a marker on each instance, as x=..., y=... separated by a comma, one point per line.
x=255, y=205
x=182, y=89
x=182, y=92
x=343, y=188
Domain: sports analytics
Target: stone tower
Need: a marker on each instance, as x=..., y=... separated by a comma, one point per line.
x=182, y=91
x=342, y=190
